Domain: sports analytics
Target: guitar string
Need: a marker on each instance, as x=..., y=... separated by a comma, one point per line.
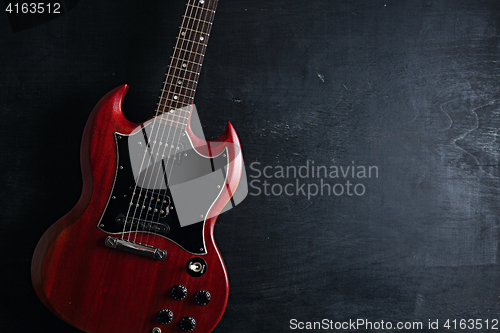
x=177, y=106
x=194, y=33
x=157, y=141
x=174, y=105
x=207, y=33
x=198, y=51
x=167, y=118
x=134, y=192
x=198, y=18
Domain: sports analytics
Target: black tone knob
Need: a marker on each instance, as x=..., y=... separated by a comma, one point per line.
x=187, y=324
x=165, y=316
x=202, y=297
x=179, y=292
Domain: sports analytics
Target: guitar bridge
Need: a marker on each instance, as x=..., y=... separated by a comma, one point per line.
x=144, y=250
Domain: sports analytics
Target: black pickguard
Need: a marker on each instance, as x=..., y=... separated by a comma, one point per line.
x=162, y=218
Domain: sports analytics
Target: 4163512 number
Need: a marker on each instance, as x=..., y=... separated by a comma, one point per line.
x=471, y=324
x=33, y=8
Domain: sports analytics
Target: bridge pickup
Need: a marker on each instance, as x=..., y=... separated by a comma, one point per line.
x=143, y=250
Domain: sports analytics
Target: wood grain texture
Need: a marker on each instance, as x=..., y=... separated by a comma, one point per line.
x=98, y=289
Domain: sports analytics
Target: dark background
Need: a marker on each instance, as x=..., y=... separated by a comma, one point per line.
x=409, y=86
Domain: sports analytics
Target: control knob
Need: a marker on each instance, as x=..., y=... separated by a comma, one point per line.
x=187, y=324
x=202, y=297
x=179, y=292
x=165, y=316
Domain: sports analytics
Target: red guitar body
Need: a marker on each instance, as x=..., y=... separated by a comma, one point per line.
x=102, y=290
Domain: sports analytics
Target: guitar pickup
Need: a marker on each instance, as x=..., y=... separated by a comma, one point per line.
x=144, y=250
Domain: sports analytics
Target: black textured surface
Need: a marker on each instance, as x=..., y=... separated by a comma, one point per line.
x=408, y=86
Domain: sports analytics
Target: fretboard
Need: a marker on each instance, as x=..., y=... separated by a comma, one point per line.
x=183, y=72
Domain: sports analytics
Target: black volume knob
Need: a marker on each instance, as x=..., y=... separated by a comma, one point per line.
x=202, y=297
x=179, y=292
x=187, y=324
x=165, y=316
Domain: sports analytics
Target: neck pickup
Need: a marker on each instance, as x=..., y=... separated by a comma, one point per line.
x=144, y=250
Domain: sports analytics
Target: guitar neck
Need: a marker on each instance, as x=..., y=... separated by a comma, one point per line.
x=184, y=70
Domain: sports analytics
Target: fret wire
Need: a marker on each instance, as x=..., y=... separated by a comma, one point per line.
x=168, y=102
x=192, y=18
x=180, y=99
x=192, y=41
x=174, y=109
x=165, y=106
x=186, y=70
x=183, y=79
x=175, y=94
x=182, y=87
x=168, y=114
x=201, y=33
x=208, y=10
x=203, y=13
x=180, y=109
x=184, y=50
x=180, y=78
x=179, y=72
x=178, y=75
x=196, y=31
x=210, y=3
x=190, y=55
x=184, y=60
x=172, y=121
x=202, y=28
x=175, y=115
x=167, y=96
x=187, y=99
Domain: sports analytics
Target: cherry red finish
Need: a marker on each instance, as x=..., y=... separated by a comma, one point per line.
x=101, y=290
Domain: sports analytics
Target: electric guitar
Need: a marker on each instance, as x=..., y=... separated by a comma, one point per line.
x=137, y=252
